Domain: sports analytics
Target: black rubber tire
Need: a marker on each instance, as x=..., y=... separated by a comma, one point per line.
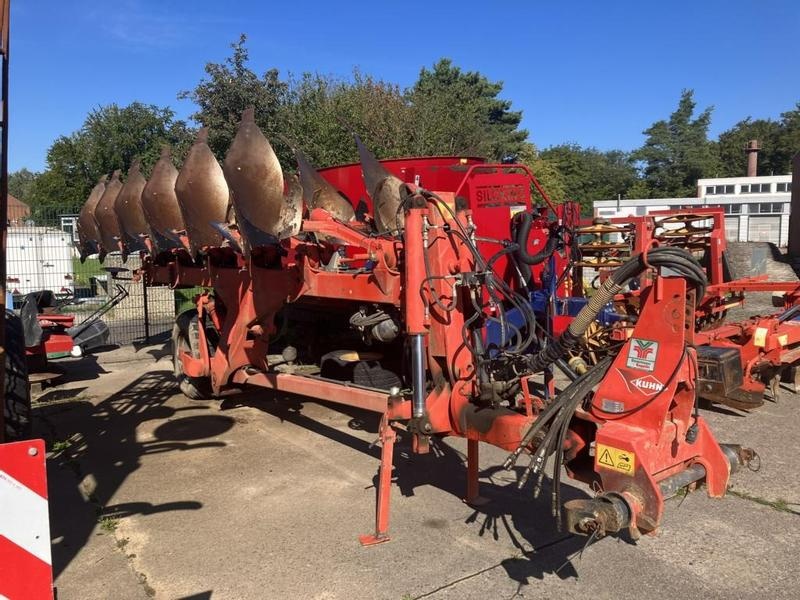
x=17, y=404
x=372, y=374
x=185, y=335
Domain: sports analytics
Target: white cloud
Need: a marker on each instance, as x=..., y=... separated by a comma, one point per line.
x=147, y=25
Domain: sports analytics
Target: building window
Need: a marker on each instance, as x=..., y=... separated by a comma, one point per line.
x=712, y=190
x=765, y=208
x=784, y=187
x=732, y=209
x=756, y=188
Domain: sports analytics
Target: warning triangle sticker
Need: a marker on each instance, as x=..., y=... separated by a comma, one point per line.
x=605, y=459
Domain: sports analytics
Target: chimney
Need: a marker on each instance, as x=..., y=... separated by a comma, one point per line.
x=751, y=150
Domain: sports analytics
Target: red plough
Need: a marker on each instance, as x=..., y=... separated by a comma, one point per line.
x=399, y=290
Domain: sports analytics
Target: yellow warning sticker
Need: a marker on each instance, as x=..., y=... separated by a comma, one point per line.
x=615, y=459
x=760, y=337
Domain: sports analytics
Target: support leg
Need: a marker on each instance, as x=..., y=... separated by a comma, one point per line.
x=473, y=496
x=381, y=534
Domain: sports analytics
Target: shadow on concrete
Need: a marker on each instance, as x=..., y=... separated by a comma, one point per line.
x=526, y=521
x=86, y=368
x=722, y=409
x=102, y=450
x=57, y=395
x=163, y=344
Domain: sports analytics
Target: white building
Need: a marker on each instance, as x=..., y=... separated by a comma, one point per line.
x=756, y=208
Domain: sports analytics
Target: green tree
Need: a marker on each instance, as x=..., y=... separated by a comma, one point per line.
x=322, y=113
x=545, y=171
x=731, y=145
x=229, y=88
x=458, y=112
x=110, y=138
x=20, y=183
x=677, y=151
x=447, y=111
x=638, y=190
x=590, y=174
x=787, y=142
x=779, y=141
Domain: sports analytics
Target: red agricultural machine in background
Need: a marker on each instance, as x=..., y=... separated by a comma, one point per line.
x=434, y=293
x=737, y=361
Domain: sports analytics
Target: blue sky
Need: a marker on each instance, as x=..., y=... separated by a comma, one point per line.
x=592, y=72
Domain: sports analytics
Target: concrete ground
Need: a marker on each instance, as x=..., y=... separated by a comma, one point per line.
x=154, y=495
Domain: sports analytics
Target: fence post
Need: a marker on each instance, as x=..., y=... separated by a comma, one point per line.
x=146, y=312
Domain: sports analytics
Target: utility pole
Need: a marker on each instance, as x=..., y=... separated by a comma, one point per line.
x=5, y=14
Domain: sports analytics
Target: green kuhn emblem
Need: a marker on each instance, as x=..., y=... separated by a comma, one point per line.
x=642, y=354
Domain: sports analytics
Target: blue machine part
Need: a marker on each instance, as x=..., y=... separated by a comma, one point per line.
x=539, y=300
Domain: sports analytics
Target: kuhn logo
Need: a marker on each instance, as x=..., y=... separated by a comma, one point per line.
x=648, y=385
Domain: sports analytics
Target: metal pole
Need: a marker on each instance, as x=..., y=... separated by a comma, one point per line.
x=417, y=376
x=146, y=313
x=4, y=40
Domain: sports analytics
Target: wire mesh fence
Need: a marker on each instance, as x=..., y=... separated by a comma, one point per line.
x=42, y=254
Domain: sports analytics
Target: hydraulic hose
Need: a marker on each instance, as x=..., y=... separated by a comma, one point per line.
x=522, y=224
x=520, y=230
x=556, y=418
x=676, y=259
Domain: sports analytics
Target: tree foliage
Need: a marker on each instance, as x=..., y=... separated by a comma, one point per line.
x=447, y=111
x=787, y=142
x=20, y=183
x=457, y=112
x=111, y=138
x=677, y=152
x=229, y=88
x=322, y=114
x=731, y=145
x=546, y=172
x=590, y=174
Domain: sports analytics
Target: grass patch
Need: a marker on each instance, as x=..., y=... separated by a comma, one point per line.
x=59, y=446
x=108, y=524
x=57, y=396
x=83, y=272
x=780, y=504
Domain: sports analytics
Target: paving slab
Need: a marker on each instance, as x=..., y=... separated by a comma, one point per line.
x=87, y=561
x=771, y=431
x=264, y=497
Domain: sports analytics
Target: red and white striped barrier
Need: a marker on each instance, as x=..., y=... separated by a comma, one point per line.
x=26, y=571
